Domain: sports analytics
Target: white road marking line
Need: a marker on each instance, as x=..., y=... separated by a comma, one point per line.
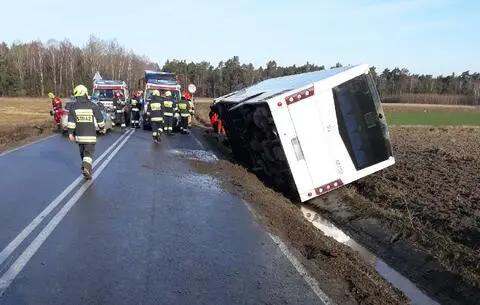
x=203, y=146
x=13, y=245
x=311, y=281
x=25, y=257
x=197, y=140
x=25, y=145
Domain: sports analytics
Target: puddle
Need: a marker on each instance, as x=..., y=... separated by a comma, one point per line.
x=200, y=181
x=415, y=295
x=195, y=154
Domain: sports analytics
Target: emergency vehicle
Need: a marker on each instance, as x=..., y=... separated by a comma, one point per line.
x=156, y=75
x=103, y=92
x=161, y=81
x=309, y=133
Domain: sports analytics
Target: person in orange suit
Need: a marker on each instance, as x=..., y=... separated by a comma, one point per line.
x=57, y=108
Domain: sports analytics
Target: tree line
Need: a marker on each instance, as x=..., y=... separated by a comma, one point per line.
x=36, y=68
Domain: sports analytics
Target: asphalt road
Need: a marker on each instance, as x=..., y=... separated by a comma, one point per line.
x=146, y=230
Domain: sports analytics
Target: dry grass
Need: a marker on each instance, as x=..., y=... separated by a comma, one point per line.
x=203, y=100
x=23, y=111
x=23, y=120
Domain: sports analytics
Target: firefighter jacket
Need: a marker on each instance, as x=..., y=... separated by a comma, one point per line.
x=169, y=106
x=135, y=105
x=118, y=103
x=81, y=120
x=184, y=108
x=154, y=109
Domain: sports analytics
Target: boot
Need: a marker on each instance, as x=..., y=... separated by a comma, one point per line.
x=87, y=170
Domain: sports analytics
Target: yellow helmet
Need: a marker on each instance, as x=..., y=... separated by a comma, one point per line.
x=80, y=90
x=51, y=95
x=155, y=93
x=168, y=93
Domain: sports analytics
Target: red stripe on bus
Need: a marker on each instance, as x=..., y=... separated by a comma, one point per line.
x=329, y=187
x=300, y=96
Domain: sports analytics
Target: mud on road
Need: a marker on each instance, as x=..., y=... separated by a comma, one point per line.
x=421, y=216
x=341, y=273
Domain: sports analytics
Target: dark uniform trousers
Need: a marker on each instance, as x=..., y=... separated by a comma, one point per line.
x=168, y=109
x=184, y=108
x=87, y=151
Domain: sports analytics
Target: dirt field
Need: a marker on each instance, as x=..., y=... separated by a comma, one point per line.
x=422, y=216
x=23, y=120
x=432, y=194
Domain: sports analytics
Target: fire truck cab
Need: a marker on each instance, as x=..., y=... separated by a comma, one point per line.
x=161, y=81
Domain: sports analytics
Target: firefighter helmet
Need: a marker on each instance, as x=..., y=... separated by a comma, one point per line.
x=168, y=93
x=80, y=90
x=155, y=93
x=51, y=95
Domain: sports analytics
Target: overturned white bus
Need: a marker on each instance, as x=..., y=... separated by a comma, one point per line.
x=311, y=133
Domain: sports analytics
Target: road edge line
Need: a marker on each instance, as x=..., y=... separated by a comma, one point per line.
x=26, y=145
x=203, y=146
x=7, y=278
x=17, y=241
x=310, y=280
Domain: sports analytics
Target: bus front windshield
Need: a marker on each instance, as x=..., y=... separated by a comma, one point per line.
x=175, y=94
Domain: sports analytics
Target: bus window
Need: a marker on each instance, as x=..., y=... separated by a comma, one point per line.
x=363, y=132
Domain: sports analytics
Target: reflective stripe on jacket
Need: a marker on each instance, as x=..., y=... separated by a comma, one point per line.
x=81, y=120
x=154, y=109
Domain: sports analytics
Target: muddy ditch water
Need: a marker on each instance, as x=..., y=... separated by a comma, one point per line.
x=415, y=295
x=407, y=260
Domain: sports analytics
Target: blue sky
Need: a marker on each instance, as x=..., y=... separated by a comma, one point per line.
x=425, y=36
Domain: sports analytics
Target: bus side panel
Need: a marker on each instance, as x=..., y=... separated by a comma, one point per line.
x=298, y=165
x=313, y=139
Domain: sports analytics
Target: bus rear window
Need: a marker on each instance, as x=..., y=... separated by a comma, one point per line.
x=364, y=134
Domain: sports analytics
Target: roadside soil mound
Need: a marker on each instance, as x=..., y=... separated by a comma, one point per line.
x=19, y=134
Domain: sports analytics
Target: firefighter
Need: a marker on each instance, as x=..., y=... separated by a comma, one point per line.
x=57, y=108
x=188, y=97
x=154, y=111
x=119, y=105
x=135, y=112
x=81, y=127
x=184, y=109
x=168, y=107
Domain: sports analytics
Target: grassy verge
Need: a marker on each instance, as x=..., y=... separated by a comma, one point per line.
x=23, y=120
x=431, y=115
x=432, y=118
